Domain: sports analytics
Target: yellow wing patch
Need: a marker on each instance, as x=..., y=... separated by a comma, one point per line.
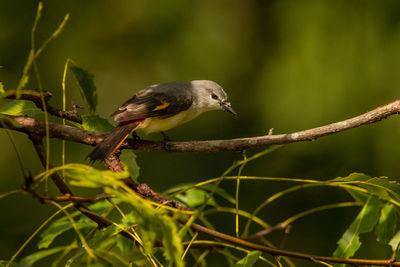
x=162, y=106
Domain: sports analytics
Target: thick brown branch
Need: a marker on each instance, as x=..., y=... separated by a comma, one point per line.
x=113, y=163
x=34, y=96
x=36, y=127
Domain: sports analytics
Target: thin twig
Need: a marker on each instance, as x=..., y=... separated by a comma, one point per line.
x=35, y=97
x=280, y=252
x=36, y=127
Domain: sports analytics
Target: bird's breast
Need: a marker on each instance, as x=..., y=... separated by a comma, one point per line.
x=151, y=125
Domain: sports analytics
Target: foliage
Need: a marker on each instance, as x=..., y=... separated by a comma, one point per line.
x=145, y=233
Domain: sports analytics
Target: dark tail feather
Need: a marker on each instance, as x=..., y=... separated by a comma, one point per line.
x=111, y=142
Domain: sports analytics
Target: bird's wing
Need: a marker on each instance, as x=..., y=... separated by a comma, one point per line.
x=153, y=103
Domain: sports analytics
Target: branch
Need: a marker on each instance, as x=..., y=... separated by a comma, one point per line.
x=113, y=163
x=101, y=221
x=36, y=127
x=34, y=96
x=280, y=252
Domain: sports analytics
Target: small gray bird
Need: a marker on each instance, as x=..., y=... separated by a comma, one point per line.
x=160, y=107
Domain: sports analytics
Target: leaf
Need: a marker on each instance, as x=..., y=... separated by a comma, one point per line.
x=365, y=221
x=152, y=224
x=59, y=227
x=86, y=83
x=95, y=123
x=129, y=159
x=20, y=108
x=87, y=176
x=353, y=177
x=394, y=243
x=250, y=259
x=31, y=259
x=3, y=263
x=380, y=187
x=125, y=245
x=219, y=191
x=386, y=227
x=2, y=91
x=195, y=197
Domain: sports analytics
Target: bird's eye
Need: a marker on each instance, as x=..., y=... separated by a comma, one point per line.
x=214, y=96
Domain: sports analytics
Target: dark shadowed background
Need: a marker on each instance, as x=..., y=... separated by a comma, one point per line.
x=287, y=65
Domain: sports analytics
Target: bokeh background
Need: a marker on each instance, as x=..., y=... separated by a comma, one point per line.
x=287, y=65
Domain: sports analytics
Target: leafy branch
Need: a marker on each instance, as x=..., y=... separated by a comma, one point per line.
x=166, y=221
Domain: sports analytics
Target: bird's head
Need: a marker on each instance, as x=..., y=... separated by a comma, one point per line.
x=211, y=96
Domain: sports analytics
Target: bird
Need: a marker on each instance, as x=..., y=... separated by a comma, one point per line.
x=160, y=107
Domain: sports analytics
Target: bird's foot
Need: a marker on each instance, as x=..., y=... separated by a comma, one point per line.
x=165, y=137
x=135, y=136
x=165, y=141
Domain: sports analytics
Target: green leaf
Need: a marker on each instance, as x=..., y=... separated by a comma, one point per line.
x=86, y=83
x=125, y=245
x=394, y=243
x=3, y=263
x=209, y=187
x=31, y=259
x=59, y=227
x=95, y=123
x=195, y=197
x=250, y=259
x=380, y=187
x=152, y=224
x=20, y=108
x=87, y=176
x=386, y=227
x=365, y=221
x=353, y=177
x=2, y=91
x=129, y=159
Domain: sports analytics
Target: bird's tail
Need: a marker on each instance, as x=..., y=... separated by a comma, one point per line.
x=112, y=141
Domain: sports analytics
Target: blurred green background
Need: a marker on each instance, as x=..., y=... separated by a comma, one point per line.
x=287, y=65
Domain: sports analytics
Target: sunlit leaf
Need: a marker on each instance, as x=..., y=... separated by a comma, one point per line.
x=365, y=221
x=380, y=187
x=250, y=259
x=394, y=243
x=86, y=83
x=386, y=227
x=20, y=108
x=151, y=223
x=95, y=123
x=2, y=91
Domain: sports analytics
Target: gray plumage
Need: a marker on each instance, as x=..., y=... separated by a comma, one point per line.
x=160, y=107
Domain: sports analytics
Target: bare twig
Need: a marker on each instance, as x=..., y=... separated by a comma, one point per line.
x=34, y=96
x=36, y=127
x=279, y=252
x=36, y=130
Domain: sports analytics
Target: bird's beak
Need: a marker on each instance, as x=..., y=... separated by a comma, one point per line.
x=228, y=107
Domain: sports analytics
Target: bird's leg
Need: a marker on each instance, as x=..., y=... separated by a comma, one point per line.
x=166, y=138
x=135, y=136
